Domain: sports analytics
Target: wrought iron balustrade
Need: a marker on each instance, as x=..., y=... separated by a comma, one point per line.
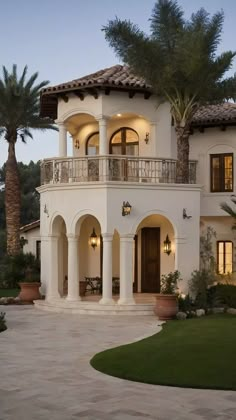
x=112, y=168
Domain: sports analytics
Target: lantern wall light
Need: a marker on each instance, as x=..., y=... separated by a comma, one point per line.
x=167, y=245
x=93, y=239
x=146, y=139
x=126, y=208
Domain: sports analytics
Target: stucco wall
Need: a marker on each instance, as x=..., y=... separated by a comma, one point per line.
x=32, y=236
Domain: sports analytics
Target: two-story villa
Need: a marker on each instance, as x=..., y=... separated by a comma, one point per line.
x=113, y=209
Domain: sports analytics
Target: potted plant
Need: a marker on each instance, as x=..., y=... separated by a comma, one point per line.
x=166, y=301
x=29, y=277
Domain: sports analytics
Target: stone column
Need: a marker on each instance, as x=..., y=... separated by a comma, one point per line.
x=73, y=269
x=103, y=141
x=52, y=289
x=107, y=269
x=62, y=139
x=126, y=269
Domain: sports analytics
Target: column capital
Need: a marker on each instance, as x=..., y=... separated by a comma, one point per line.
x=102, y=118
x=53, y=237
x=72, y=237
x=106, y=237
x=127, y=237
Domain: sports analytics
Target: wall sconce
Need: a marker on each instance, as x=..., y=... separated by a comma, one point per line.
x=46, y=210
x=76, y=144
x=185, y=216
x=126, y=208
x=146, y=138
x=167, y=245
x=93, y=239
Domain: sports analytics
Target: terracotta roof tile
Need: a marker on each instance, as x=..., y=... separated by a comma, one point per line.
x=215, y=114
x=121, y=77
x=30, y=226
x=113, y=76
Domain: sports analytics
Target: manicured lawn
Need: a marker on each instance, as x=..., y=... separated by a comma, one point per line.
x=9, y=292
x=196, y=353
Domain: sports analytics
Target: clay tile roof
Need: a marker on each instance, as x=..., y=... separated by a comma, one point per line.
x=211, y=115
x=121, y=78
x=30, y=226
x=116, y=76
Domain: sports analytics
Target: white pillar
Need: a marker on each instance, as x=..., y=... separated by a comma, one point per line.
x=107, y=269
x=52, y=290
x=126, y=269
x=103, y=142
x=62, y=139
x=73, y=269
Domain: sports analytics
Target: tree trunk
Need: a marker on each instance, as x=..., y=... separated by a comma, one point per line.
x=182, y=168
x=12, y=202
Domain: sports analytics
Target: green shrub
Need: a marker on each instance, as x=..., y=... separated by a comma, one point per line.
x=198, y=285
x=186, y=304
x=17, y=268
x=169, y=282
x=3, y=325
x=222, y=295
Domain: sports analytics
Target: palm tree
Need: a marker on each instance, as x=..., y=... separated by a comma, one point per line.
x=179, y=60
x=19, y=112
x=228, y=209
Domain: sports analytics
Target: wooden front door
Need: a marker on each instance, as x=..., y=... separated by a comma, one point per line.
x=150, y=260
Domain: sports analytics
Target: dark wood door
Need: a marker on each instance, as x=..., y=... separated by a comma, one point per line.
x=150, y=261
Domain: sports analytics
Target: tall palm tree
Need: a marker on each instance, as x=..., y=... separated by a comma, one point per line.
x=179, y=60
x=19, y=112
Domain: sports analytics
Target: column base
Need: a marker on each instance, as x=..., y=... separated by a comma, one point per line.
x=73, y=298
x=126, y=301
x=106, y=301
x=53, y=297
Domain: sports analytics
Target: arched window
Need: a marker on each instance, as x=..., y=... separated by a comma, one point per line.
x=124, y=142
x=92, y=145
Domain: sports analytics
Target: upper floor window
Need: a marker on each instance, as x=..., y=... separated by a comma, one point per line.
x=92, y=145
x=222, y=172
x=224, y=257
x=124, y=142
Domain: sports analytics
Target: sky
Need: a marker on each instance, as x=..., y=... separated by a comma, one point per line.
x=62, y=40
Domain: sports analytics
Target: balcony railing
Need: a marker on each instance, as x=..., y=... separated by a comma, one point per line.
x=112, y=168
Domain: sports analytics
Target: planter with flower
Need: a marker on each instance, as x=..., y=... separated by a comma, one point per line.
x=29, y=278
x=166, y=301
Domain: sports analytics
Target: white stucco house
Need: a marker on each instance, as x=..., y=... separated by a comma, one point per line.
x=124, y=161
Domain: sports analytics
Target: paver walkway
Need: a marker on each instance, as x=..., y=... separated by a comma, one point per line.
x=45, y=373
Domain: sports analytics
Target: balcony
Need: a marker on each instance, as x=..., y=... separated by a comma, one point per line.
x=112, y=168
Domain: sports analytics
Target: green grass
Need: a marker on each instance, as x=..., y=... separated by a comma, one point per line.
x=9, y=292
x=196, y=353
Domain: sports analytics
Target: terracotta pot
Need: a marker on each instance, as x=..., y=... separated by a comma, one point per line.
x=29, y=291
x=166, y=306
x=82, y=288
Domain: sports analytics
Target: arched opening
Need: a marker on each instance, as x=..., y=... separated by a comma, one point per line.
x=152, y=255
x=124, y=141
x=92, y=144
x=61, y=254
x=90, y=254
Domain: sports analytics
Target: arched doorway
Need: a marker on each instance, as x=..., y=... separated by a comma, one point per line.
x=124, y=141
x=152, y=258
x=60, y=254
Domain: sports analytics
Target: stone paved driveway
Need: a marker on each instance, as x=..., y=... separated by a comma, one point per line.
x=45, y=373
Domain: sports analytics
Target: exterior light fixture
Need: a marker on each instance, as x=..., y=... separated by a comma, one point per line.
x=126, y=208
x=185, y=216
x=167, y=245
x=146, y=138
x=93, y=239
x=45, y=210
x=76, y=144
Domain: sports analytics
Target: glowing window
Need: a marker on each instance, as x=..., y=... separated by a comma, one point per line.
x=224, y=257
